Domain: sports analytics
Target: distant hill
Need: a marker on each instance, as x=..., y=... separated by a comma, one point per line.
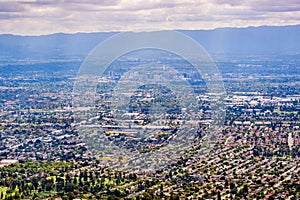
x=266, y=40
x=54, y=46
x=251, y=40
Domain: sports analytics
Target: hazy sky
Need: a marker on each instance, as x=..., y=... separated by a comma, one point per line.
x=34, y=17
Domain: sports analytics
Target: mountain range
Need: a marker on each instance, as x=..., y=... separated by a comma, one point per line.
x=264, y=40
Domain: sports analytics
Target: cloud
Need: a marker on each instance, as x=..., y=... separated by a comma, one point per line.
x=230, y=2
x=41, y=2
x=94, y=2
x=48, y=16
x=278, y=6
x=6, y=7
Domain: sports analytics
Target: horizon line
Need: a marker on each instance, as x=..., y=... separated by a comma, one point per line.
x=118, y=31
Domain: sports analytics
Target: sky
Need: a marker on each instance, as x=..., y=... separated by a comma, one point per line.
x=38, y=17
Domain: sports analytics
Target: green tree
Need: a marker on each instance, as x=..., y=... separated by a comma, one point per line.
x=161, y=190
x=71, y=196
x=219, y=195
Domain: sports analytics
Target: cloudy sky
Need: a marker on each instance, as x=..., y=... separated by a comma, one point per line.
x=35, y=17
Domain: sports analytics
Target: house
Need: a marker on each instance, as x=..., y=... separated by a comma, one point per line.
x=6, y=162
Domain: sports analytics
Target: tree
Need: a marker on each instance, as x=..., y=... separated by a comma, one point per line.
x=174, y=197
x=69, y=187
x=71, y=196
x=161, y=190
x=75, y=180
x=219, y=195
x=35, y=182
x=231, y=185
x=226, y=183
x=245, y=189
x=49, y=185
x=85, y=176
x=149, y=195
